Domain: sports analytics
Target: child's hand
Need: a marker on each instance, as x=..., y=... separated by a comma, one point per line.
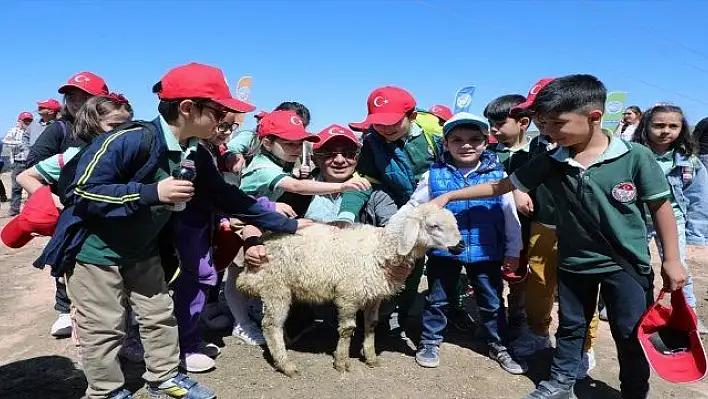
x=440, y=201
x=303, y=172
x=285, y=209
x=172, y=191
x=235, y=163
x=255, y=255
x=524, y=204
x=57, y=202
x=302, y=223
x=356, y=184
x=511, y=264
x=674, y=274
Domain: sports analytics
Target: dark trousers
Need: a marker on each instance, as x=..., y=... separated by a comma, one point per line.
x=485, y=278
x=626, y=301
x=406, y=298
x=16, y=201
x=3, y=193
x=61, y=299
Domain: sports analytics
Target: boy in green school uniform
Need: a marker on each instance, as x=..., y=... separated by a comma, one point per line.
x=600, y=186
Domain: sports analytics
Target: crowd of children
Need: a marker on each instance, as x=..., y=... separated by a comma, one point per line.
x=147, y=217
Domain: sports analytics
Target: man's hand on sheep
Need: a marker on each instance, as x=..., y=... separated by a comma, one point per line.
x=510, y=265
x=172, y=191
x=356, y=184
x=285, y=209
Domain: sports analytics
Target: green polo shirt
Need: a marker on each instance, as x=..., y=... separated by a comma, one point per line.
x=262, y=176
x=505, y=154
x=132, y=239
x=613, y=188
x=544, y=209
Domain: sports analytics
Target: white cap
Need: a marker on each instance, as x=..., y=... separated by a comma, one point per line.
x=466, y=118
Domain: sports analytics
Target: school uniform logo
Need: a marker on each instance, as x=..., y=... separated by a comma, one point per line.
x=624, y=192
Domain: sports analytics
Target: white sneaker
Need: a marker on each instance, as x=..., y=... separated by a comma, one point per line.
x=209, y=349
x=529, y=343
x=586, y=364
x=249, y=334
x=198, y=363
x=62, y=327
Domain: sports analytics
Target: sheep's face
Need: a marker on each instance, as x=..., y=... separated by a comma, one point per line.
x=431, y=227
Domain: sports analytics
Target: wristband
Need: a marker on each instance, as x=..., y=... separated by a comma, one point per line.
x=252, y=241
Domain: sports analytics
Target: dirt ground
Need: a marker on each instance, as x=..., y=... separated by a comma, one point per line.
x=35, y=365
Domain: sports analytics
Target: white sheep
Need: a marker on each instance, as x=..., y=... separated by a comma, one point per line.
x=356, y=268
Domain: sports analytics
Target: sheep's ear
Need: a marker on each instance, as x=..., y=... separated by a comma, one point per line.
x=409, y=236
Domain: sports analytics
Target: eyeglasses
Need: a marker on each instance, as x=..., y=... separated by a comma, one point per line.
x=226, y=127
x=219, y=113
x=348, y=154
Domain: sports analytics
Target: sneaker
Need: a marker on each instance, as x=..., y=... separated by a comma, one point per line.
x=603, y=314
x=551, y=390
x=209, y=349
x=62, y=327
x=428, y=356
x=586, y=364
x=132, y=349
x=182, y=387
x=462, y=321
x=506, y=361
x=702, y=328
x=198, y=363
x=249, y=334
x=530, y=343
x=120, y=394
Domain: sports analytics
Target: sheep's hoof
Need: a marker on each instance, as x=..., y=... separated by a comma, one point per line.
x=372, y=362
x=342, y=366
x=290, y=370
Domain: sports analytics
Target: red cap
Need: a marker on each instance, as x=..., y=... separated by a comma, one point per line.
x=88, y=82
x=387, y=106
x=38, y=217
x=334, y=131
x=518, y=276
x=284, y=124
x=51, y=104
x=670, y=341
x=441, y=111
x=533, y=92
x=200, y=81
x=25, y=115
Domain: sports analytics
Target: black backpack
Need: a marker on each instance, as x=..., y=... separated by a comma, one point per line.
x=65, y=183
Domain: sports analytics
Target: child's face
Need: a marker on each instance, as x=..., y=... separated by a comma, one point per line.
x=466, y=144
x=664, y=129
x=506, y=131
x=285, y=150
x=392, y=133
x=114, y=118
x=223, y=130
x=570, y=128
x=74, y=99
x=337, y=160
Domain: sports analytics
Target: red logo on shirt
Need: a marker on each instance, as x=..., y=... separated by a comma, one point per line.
x=625, y=192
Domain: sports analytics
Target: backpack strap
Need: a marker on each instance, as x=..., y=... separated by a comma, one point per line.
x=60, y=160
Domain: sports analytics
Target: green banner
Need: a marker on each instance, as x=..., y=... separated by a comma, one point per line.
x=614, y=107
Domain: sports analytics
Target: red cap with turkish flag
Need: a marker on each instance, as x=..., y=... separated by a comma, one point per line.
x=25, y=116
x=50, y=104
x=195, y=80
x=670, y=340
x=387, y=106
x=87, y=82
x=533, y=92
x=334, y=132
x=441, y=111
x=286, y=125
x=39, y=216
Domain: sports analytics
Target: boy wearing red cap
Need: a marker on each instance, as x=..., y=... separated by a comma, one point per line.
x=108, y=243
x=394, y=154
x=18, y=139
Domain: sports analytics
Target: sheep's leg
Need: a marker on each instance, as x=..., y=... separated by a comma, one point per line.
x=371, y=318
x=275, y=312
x=347, y=324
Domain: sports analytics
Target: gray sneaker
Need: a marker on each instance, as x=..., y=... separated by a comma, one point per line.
x=506, y=361
x=428, y=356
x=551, y=390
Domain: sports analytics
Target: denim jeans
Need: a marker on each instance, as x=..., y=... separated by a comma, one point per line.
x=688, y=287
x=485, y=278
x=626, y=301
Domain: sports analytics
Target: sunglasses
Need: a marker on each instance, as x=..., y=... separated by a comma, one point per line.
x=226, y=127
x=348, y=154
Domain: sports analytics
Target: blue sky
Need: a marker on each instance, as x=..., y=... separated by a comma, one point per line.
x=330, y=54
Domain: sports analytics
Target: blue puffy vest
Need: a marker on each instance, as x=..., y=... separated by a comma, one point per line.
x=481, y=221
